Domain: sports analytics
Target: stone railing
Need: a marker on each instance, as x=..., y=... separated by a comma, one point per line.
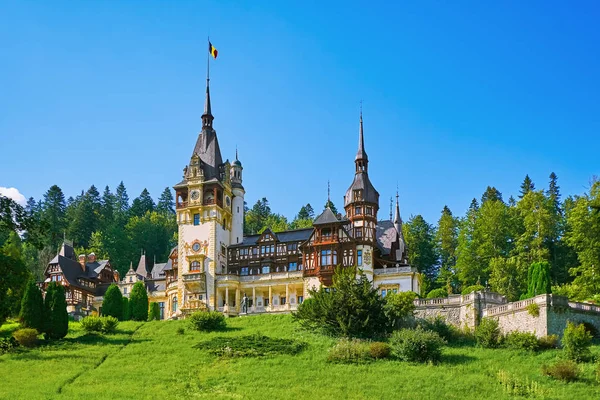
x=516, y=306
x=271, y=276
x=393, y=270
x=227, y=278
x=584, y=307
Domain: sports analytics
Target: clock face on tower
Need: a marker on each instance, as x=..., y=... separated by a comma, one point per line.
x=227, y=201
x=196, y=247
x=195, y=194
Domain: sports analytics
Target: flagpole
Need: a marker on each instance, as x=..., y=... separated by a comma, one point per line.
x=208, y=62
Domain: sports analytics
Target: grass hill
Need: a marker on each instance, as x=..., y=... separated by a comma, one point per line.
x=153, y=361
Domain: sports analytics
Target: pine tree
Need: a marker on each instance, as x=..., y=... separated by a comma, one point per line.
x=330, y=204
x=113, y=302
x=85, y=219
x=491, y=193
x=447, y=240
x=255, y=218
x=138, y=302
x=121, y=202
x=142, y=204
x=166, y=203
x=32, y=307
x=60, y=317
x=538, y=279
x=306, y=212
x=47, y=311
x=526, y=187
x=108, y=207
x=54, y=214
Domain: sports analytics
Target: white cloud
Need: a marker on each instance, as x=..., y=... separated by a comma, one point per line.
x=13, y=193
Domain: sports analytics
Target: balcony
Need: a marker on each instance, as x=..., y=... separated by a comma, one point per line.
x=272, y=276
x=181, y=204
x=391, y=271
x=195, y=282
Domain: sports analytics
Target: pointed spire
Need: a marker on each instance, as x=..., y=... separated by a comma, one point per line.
x=361, y=159
x=236, y=154
x=397, y=218
x=207, y=117
x=328, y=193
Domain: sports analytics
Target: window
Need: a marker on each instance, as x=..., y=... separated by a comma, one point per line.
x=300, y=299
x=195, y=266
x=357, y=210
x=124, y=290
x=196, y=219
x=359, y=257
x=266, y=302
x=292, y=266
x=174, y=304
x=244, y=271
x=395, y=290
x=369, y=210
x=358, y=232
x=266, y=269
x=238, y=209
x=292, y=246
x=255, y=250
x=130, y=279
x=383, y=292
x=335, y=257
x=161, y=305
x=326, y=257
x=326, y=233
x=282, y=301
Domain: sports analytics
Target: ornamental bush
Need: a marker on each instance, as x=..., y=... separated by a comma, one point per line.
x=538, y=279
x=154, y=312
x=548, y=342
x=56, y=318
x=27, y=337
x=126, y=309
x=471, y=289
x=487, y=334
x=379, y=350
x=350, y=351
x=399, y=309
x=439, y=326
x=522, y=341
x=576, y=342
x=8, y=344
x=32, y=307
x=417, y=345
x=112, y=305
x=109, y=324
x=563, y=370
x=207, y=321
x=138, y=302
x=91, y=324
x=435, y=293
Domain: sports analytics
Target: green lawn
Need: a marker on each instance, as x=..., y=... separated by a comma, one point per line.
x=151, y=361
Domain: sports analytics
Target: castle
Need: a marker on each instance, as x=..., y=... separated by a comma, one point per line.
x=214, y=266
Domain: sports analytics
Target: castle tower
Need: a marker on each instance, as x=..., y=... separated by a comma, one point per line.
x=205, y=218
x=237, y=208
x=361, y=204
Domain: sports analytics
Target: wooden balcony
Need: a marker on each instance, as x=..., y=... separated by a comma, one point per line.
x=181, y=204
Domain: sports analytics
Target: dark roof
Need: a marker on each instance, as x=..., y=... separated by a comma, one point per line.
x=142, y=268
x=326, y=217
x=362, y=181
x=286, y=236
x=158, y=271
x=102, y=288
x=386, y=234
x=72, y=271
x=207, y=148
x=156, y=285
x=361, y=154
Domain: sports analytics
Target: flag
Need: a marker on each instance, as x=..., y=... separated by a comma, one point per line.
x=211, y=49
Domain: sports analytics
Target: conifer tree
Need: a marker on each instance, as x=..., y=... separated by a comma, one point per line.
x=108, y=207
x=491, y=193
x=154, y=313
x=121, y=202
x=138, y=302
x=330, y=204
x=447, y=240
x=166, y=203
x=56, y=320
x=32, y=307
x=526, y=187
x=538, y=279
x=53, y=214
x=113, y=302
x=126, y=309
x=420, y=239
x=142, y=204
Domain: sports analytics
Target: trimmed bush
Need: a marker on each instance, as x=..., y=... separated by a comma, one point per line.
x=91, y=324
x=207, y=321
x=417, y=345
x=138, y=302
x=471, y=289
x=439, y=326
x=350, y=351
x=126, y=309
x=112, y=305
x=56, y=323
x=548, y=342
x=109, y=324
x=522, y=341
x=8, y=344
x=32, y=307
x=27, y=337
x=379, y=350
x=576, y=342
x=154, y=313
x=563, y=370
x=487, y=334
x=435, y=293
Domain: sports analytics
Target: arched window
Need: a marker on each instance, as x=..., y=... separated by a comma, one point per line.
x=195, y=266
x=174, y=304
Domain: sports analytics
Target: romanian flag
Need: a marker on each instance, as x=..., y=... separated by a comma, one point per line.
x=211, y=49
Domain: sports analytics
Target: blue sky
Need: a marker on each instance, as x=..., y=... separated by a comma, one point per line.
x=456, y=96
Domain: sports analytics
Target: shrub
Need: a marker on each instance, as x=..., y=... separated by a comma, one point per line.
x=379, y=350
x=126, y=309
x=538, y=279
x=32, y=307
x=437, y=293
x=487, y=334
x=471, y=289
x=154, y=312
x=56, y=318
x=597, y=373
x=255, y=345
x=562, y=370
x=180, y=330
x=207, y=321
x=27, y=337
x=533, y=309
x=112, y=304
x=522, y=341
x=349, y=351
x=576, y=342
x=548, y=342
x=417, y=345
x=399, y=308
x=439, y=326
x=91, y=324
x=109, y=324
x=519, y=387
x=138, y=302
x=8, y=344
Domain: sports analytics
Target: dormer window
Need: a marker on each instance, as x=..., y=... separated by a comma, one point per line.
x=358, y=195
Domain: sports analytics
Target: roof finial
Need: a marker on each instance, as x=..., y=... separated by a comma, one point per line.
x=236, y=155
x=391, y=205
x=361, y=155
x=328, y=193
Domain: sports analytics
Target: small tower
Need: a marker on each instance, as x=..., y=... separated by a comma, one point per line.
x=401, y=251
x=237, y=206
x=361, y=204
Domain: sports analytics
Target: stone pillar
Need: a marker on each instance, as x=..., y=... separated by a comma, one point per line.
x=226, y=308
x=287, y=296
x=237, y=300
x=270, y=299
x=253, y=299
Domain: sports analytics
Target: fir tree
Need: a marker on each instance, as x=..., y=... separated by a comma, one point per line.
x=526, y=187
x=138, y=302
x=113, y=302
x=419, y=236
x=56, y=319
x=32, y=307
x=491, y=194
x=447, y=240
x=306, y=212
x=538, y=279
x=108, y=207
x=142, y=204
x=54, y=215
x=166, y=204
x=330, y=204
x=121, y=201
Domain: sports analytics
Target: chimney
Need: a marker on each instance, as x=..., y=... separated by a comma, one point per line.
x=82, y=261
x=91, y=257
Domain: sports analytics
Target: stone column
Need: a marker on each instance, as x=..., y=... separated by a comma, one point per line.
x=253, y=299
x=270, y=299
x=287, y=296
x=226, y=307
x=237, y=300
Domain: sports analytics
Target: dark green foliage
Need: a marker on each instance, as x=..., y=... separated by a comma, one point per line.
x=350, y=351
x=166, y=203
x=138, y=302
x=417, y=345
x=256, y=345
x=562, y=370
x=207, y=321
x=53, y=213
x=91, y=324
x=439, y=326
x=538, y=279
x=13, y=276
x=113, y=302
x=521, y=341
x=488, y=333
x=8, y=344
x=576, y=342
x=27, y=337
x=141, y=205
x=126, y=309
x=379, y=350
x=109, y=324
x=331, y=206
x=533, y=309
x=526, y=187
x=548, y=342
x=399, y=308
x=350, y=308
x=471, y=289
x=423, y=254
x=57, y=324
x=180, y=330
x=441, y=292
x=32, y=307
x=154, y=312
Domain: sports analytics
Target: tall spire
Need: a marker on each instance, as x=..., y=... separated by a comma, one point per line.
x=397, y=218
x=207, y=117
x=328, y=193
x=361, y=159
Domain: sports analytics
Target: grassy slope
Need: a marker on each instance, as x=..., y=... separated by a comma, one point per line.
x=149, y=361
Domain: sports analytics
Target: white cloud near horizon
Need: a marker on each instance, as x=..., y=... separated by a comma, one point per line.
x=13, y=193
